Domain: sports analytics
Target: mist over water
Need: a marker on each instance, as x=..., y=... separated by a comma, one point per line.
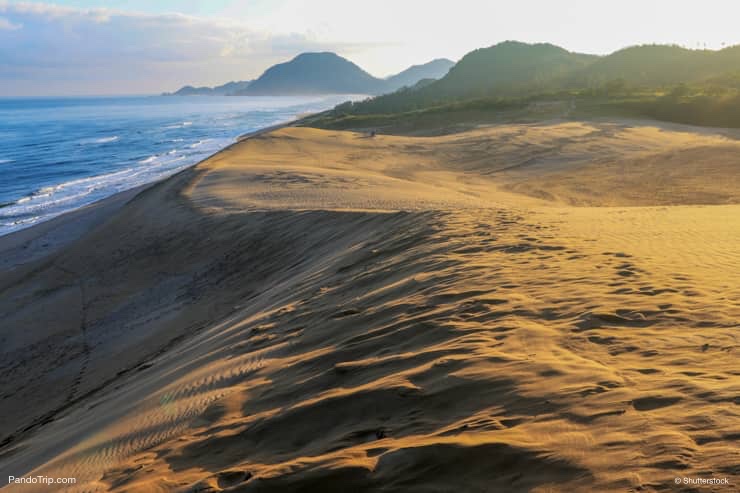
x=59, y=154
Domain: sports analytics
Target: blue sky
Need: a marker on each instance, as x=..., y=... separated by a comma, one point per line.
x=149, y=46
x=193, y=7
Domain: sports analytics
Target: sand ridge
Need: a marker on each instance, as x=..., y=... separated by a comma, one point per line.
x=313, y=310
x=575, y=163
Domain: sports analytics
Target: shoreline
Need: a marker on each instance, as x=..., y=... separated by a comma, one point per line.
x=52, y=235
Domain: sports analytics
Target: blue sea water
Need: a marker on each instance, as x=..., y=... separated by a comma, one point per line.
x=59, y=154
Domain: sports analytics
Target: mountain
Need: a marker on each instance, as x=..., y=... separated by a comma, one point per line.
x=505, y=70
x=513, y=70
x=313, y=73
x=508, y=69
x=223, y=90
x=329, y=73
x=190, y=91
x=321, y=73
x=519, y=80
x=435, y=69
x=658, y=65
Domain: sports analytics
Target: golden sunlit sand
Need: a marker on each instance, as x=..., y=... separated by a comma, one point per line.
x=545, y=307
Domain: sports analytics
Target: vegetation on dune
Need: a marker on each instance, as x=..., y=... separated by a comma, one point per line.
x=712, y=102
x=432, y=119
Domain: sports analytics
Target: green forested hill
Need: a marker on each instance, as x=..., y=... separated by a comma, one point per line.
x=657, y=65
x=658, y=81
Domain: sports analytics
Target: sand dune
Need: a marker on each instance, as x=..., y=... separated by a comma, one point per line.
x=322, y=311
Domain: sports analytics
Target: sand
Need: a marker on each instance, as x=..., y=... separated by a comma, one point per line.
x=546, y=307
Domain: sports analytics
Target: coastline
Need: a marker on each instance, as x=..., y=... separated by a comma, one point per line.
x=51, y=236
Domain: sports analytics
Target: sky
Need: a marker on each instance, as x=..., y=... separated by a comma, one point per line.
x=95, y=47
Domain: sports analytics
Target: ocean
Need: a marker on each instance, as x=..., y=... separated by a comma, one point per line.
x=59, y=154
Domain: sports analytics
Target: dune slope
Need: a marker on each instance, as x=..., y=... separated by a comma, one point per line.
x=323, y=311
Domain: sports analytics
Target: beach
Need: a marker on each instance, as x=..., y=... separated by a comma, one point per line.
x=517, y=307
x=58, y=155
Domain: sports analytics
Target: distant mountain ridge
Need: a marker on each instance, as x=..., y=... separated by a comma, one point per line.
x=655, y=65
x=329, y=73
x=509, y=68
x=435, y=69
x=513, y=69
x=505, y=70
x=312, y=73
x=223, y=90
x=322, y=73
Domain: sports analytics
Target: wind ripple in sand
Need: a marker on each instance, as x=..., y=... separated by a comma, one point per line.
x=514, y=346
x=164, y=415
x=437, y=347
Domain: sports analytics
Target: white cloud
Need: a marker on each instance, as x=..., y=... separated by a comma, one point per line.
x=6, y=25
x=50, y=10
x=52, y=48
x=62, y=50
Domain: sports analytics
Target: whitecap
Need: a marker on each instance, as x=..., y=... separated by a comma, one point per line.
x=98, y=140
x=178, y=125
x=199, y=143
x=105, y=140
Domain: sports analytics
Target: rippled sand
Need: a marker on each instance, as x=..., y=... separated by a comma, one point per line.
x=549, y=307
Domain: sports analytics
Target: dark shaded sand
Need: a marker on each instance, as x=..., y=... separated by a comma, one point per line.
x=322, y=311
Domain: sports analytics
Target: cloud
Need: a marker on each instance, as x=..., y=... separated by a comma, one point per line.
x=6, y=25
x=62, y=49
x=50, y=11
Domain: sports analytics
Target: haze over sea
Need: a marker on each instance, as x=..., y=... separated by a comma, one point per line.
x=59, y=154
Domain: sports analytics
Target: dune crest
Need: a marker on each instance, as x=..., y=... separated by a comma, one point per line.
x=325, y=311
